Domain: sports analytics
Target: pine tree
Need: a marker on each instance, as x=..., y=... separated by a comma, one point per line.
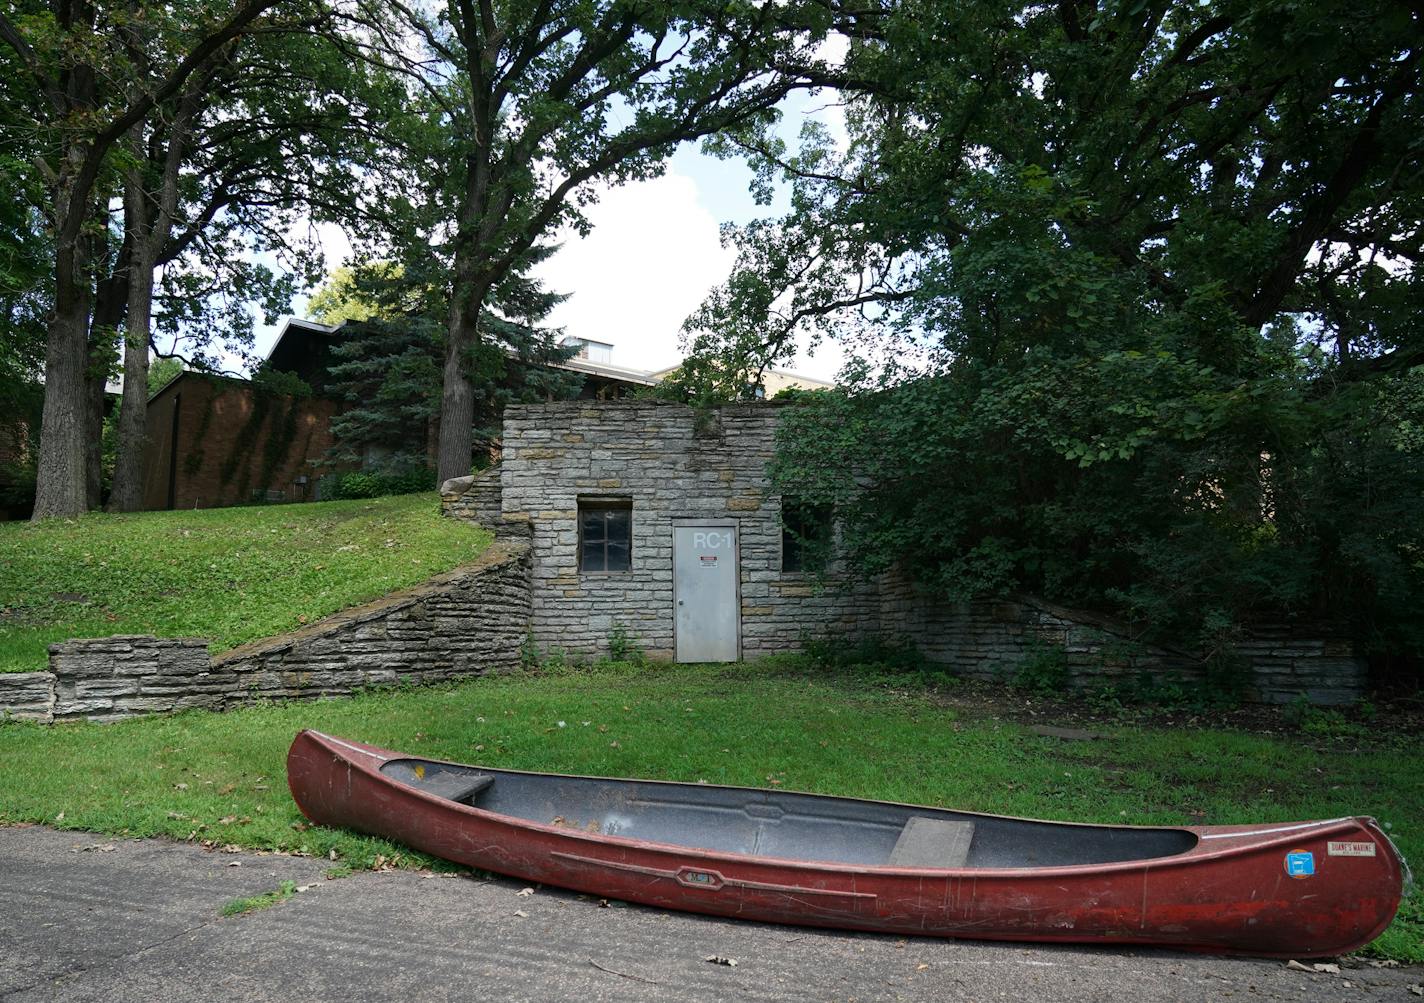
x=388, y=369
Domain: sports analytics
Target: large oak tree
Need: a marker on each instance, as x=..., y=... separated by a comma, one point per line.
x=87, y=90
x=1136, y=290
x=551, y=98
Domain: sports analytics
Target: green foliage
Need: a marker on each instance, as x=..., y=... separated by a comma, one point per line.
x=387, y=368
x=230, y=575
x=624, y=646
x=161, y=372
x=360, y=484
x=1043, y=670
x=1131, y=326
x=870, y=653
x=1325, y=722
x=342, y=296
x=833, y=733
x=254, y=903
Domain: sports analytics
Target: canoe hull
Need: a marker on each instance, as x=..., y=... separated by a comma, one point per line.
x=1233, y=893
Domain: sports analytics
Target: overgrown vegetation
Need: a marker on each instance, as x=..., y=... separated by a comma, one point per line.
x=219, y=778
x=1129, y=293
x=230, y=575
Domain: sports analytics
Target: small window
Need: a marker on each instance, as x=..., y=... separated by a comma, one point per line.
x=805, y=536
x=605, y=534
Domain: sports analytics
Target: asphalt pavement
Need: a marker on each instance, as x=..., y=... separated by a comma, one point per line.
x=85, y=917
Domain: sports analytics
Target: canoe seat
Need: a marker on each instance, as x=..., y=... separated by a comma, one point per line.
x=932, y=842
x=460, y=787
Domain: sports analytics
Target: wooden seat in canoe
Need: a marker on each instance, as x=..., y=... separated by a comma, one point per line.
x=932, y=842
x=462, y=788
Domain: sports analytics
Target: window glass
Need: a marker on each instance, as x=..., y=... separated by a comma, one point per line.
x=605, y=535
x=806, y=532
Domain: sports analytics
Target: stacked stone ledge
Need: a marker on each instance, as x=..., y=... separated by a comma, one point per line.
x=27, y=696
x=468, y=622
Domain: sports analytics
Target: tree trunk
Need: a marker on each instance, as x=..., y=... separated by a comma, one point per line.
x=110, y=296
x=96, y=372
x=457, y=400
x=127, y=493
x=60, y=480
x=457, y=408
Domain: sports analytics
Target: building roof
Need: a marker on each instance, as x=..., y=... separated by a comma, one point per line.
x=293, y=350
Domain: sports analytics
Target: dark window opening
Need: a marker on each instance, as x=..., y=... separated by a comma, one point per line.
x=806, y=531
x=605, y=534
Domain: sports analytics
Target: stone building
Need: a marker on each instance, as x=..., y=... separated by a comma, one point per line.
x=658, y=523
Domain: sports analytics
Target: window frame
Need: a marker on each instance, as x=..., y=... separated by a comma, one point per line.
x=604, y=503
x=792, y=544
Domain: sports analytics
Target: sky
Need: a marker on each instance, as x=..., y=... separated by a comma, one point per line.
x=653, y=254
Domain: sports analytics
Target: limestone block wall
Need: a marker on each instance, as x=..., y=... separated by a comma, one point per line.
x=468, y=622
x=475, y=498
x=993, y=640
x=26, y=696
x=109, y=678
x=671, y=464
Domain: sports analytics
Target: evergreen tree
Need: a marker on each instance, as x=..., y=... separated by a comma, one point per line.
x=388, y=366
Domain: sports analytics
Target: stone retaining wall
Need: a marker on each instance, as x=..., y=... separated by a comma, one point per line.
x=26, y=696
x=474, y=498
x=997, y=640
x=468, y=622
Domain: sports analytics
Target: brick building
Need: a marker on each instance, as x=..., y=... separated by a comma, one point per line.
x=215, y=441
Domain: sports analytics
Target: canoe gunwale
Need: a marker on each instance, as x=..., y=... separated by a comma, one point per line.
x=1291, y=832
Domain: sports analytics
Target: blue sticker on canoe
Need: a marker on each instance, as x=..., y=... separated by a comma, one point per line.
x=1300, y=863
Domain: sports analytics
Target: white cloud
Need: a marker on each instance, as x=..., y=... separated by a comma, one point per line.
x=651, y=259
x=653, y=255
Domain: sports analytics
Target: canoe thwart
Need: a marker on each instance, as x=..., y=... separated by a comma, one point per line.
x=459, y=787
x=932, y=842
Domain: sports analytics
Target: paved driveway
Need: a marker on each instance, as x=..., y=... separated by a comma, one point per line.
x=86, y=917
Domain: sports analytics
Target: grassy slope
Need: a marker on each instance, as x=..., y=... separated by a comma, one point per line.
x=229, y=575
x=221, y=777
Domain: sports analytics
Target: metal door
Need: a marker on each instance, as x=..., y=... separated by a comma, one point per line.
x=707, y=621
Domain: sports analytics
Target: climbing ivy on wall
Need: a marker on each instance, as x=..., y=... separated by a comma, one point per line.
x=275, y=394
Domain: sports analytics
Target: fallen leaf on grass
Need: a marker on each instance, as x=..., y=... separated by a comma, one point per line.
x=717, y=959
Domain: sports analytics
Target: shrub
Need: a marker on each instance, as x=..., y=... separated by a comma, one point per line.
x=362, y=484
x=1043, y=670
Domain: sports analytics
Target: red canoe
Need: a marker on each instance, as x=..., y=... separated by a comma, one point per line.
x=1304, y=889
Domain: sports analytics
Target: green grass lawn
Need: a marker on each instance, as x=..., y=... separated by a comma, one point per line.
x=220, y=777
x=229, y=575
